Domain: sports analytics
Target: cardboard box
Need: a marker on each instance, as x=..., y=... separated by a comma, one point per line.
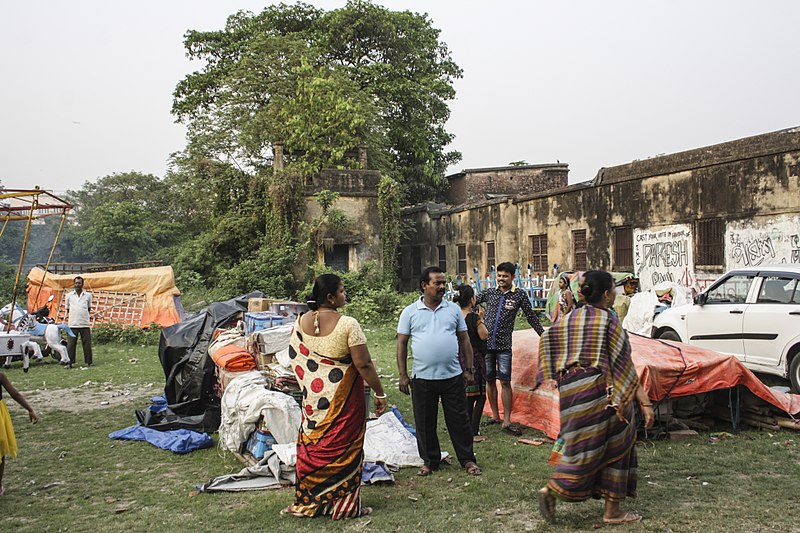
x=258, y=304
x=263, y=360
x=289, y=310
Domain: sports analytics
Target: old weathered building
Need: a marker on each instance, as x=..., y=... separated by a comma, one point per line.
x=684, y=217
x=347, y=248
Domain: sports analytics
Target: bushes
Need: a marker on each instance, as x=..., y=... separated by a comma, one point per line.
x=378, y=306
x=106, y=333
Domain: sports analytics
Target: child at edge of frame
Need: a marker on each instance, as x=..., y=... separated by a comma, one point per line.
x=8, y=442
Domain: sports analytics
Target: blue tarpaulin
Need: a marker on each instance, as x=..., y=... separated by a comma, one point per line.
x=176, y=440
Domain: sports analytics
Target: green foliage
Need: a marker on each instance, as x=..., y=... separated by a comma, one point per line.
x=389, y=206
x=129, y=217
x=323, y=82
x=379, y=306
x=7, y=273
x=371, y=299
x=119, y=333
x=270, y=270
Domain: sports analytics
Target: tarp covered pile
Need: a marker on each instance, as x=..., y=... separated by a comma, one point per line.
x=667, y=370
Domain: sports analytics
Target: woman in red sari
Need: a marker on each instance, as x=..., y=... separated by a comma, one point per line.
x=330, y=358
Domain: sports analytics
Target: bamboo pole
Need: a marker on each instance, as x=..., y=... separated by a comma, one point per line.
x=50, y=257
x=21, y=259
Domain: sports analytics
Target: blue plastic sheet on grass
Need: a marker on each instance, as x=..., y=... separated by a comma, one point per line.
x=402, y=420
x=375, y=473
x=176, y=440
x=158, y=404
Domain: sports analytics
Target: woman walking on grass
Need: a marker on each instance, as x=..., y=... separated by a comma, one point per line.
x=588, y=353
x=8, y=442
x=330, y=358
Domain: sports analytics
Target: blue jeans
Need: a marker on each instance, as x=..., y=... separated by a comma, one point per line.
x=498, y=365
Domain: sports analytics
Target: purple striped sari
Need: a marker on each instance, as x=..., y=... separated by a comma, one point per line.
x=599, y=457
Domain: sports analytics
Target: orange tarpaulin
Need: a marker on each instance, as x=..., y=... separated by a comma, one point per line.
x=664, y=368
x=136, y=297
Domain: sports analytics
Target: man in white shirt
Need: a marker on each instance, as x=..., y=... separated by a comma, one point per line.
x=79, y=306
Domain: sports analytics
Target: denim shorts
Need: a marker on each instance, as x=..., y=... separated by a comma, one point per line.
x=498, y=365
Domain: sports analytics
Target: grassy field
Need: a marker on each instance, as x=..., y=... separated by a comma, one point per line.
x=70, y=476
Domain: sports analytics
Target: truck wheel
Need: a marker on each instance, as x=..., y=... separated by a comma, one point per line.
x=794, y=374
x=669, y=335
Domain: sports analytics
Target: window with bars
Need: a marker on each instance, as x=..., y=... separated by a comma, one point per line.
x=538, y=257
x=579, y=249
x=442, y=257
x=462, y=259
x=416, y=261
x=623, y=248
x=490, y=260
x=710, y=242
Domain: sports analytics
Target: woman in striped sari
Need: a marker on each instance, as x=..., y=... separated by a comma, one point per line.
x=330, y=358
x=589, y=355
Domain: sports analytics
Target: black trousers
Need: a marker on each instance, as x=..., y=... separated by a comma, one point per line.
x=425, y=396
x=86, y=341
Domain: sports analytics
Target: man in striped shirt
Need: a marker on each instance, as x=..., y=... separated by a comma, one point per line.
x=502, y=305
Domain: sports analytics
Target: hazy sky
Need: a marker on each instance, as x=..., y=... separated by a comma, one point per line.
x=87, y=85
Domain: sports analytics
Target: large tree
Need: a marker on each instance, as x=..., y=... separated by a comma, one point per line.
x=321, y=82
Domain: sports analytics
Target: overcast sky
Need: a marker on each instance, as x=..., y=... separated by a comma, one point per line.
x=87, y=85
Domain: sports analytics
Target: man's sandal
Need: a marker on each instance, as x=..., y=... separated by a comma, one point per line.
x=425, y=471
x=473, y=469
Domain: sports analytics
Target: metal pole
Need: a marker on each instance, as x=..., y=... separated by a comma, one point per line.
x=34, y=203
x=47, y=267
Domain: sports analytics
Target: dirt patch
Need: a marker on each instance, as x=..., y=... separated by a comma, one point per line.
x=90, y=396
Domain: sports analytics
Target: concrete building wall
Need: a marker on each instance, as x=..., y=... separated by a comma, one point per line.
x=358, y=200
x=473, y=185
x=747, y=190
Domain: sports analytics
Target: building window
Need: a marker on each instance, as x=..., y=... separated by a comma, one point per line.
x=416, y=261
x=490, y=260
x=623, y=248
x=338, y=257
x=442, y=258
x=462, y=259
x=579, y=249
x=538, y=259
x=710, y=237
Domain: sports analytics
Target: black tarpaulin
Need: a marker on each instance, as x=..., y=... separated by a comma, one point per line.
x=189, y=371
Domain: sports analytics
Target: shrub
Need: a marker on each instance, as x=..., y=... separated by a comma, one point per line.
x=379, y=306
x=124, y=334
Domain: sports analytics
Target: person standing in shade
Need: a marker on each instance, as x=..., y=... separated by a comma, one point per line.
x=437, y=331
x=476, y=329
x=502, y=305
x=79, y=308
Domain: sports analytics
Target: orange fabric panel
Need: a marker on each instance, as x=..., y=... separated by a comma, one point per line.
x=234, y=359
x=658, y=363
x=156, y=283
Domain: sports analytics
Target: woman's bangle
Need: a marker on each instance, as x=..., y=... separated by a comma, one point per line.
x=380, y=396
x=645, y=405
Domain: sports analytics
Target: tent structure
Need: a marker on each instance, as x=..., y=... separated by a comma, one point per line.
x=136, y=297
x=667, y=369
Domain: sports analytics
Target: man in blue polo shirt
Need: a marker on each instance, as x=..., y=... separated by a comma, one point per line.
x=437, y=331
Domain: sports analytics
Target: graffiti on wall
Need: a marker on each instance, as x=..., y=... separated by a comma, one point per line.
x=664, y=254
x=752, y=243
